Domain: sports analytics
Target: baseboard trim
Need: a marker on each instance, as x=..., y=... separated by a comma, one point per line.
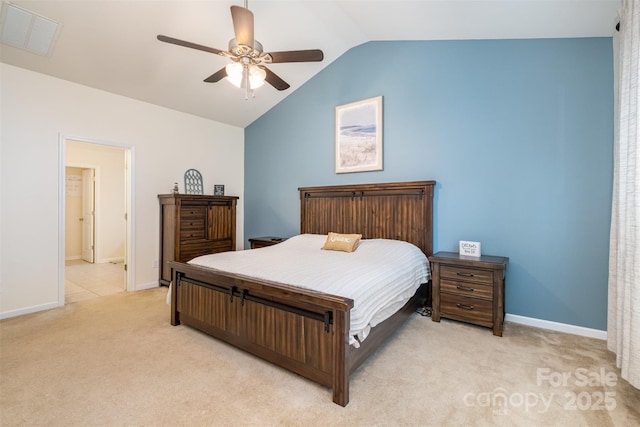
x=49, y=306
x=28, y=310
x=143, y=286
x=555, y=326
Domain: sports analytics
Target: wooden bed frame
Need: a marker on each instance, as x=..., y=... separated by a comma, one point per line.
x=299, y=329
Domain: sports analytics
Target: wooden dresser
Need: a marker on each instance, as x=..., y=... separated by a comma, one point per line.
x=194, y=225
x=469, y=289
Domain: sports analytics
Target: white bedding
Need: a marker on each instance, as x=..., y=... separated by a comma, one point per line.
x=380, y=276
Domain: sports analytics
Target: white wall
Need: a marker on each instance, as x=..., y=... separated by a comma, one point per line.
x=35, y=110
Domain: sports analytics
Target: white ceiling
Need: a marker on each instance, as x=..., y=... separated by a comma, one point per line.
x=111, y=45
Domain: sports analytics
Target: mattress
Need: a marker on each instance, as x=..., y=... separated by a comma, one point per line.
x=380, y=276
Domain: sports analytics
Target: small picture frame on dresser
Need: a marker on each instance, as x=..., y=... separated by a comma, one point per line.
x=218, y=190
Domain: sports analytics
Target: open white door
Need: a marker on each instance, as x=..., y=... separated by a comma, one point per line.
x=88, y=219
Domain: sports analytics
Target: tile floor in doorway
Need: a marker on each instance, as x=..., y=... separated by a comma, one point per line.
x=84, y=280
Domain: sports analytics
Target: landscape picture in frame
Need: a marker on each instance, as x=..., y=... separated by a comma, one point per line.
x=359, y=136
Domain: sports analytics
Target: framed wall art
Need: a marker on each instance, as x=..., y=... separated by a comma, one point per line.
x=359, y=136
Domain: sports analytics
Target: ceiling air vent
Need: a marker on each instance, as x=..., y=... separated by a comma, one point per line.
x=27, y=30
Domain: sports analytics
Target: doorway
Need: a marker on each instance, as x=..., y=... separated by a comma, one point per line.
x=95, y=197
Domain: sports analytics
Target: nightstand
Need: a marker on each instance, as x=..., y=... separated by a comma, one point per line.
x=469, y=289
x=261, y=242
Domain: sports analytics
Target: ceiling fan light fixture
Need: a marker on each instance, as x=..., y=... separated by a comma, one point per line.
x=236, y=75
x=256, y=76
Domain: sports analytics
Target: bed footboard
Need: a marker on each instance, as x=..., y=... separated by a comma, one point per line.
x=300, y=330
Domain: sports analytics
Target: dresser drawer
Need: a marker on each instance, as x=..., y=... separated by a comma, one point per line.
x=192, y=222
x=192, y=230
x=188, y=251
x=193, y=213
x=472, y=310
x=467, y=274
x=468, y=289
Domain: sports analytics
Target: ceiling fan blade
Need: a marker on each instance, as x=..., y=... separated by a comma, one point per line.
x=274, y=80
x=217, y=76
x=242, y=25
x=311, y=55
x=179, y=42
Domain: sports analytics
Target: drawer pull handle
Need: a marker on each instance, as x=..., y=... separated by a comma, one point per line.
x=464, y=274
x=465, y=307
x=464, y=288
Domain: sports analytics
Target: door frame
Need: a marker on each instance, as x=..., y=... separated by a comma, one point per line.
x=129, y=213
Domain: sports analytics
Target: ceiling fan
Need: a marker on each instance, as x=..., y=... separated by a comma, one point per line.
x=248, y=69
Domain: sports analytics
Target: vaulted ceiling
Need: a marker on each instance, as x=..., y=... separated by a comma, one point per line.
x=111, y=45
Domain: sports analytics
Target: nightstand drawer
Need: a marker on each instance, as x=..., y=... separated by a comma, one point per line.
x=261, y=242
x=468, y=289
x=188, y=251
x=469, y=309
x=467, y=274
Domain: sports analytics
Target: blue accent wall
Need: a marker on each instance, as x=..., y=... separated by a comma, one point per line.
x=518, y=135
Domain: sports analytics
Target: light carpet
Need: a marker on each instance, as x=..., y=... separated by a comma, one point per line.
x=116, y=361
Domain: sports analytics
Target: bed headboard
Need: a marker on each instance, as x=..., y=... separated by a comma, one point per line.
x=397, y=210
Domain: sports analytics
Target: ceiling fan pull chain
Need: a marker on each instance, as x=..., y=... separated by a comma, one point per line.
x=245, y=81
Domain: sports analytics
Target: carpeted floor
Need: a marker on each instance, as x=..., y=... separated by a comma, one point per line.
x=116, y=361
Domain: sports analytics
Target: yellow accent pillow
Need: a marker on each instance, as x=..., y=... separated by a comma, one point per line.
x=342, y=242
